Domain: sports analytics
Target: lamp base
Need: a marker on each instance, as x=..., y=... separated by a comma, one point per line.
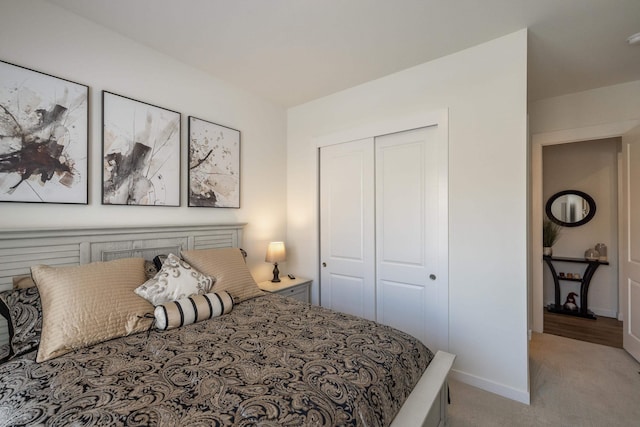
x=276, y=273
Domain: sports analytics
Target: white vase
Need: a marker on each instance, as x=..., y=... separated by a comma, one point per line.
x=547, y=251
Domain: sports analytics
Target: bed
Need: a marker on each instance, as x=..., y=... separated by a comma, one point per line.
x=263, y=359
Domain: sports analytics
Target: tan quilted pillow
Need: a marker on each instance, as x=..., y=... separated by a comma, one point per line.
x=88, y=304
x=23, y=282
x=228, y=267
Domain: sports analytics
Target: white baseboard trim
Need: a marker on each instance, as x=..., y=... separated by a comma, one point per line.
x=521, y=396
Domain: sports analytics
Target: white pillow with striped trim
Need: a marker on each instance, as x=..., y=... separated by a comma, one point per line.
x=195, y=308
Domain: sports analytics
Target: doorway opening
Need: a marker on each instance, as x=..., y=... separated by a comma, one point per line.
x=590, y=167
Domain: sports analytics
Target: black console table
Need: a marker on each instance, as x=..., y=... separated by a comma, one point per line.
x=592, y=266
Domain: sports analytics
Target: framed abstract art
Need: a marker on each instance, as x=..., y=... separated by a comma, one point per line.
x=44, y=134
x=140, y=153
x=214, y=165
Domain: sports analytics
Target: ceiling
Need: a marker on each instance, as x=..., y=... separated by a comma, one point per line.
x=293, y=51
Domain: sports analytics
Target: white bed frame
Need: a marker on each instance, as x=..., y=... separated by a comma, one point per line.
x=20, y=249
x=426, y=406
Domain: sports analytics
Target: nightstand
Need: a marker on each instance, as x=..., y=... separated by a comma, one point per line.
x=298, y=288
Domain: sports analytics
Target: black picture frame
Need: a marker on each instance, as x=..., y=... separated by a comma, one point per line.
x=44, y=123
x=140, y=153
x=214, y=165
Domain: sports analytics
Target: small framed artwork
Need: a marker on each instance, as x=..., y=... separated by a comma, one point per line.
x=140, y=153
x=214, y=165
x=44, y=137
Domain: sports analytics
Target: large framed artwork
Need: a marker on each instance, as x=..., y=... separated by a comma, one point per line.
x=214, y=165
x=44, y=137
x=140, y=153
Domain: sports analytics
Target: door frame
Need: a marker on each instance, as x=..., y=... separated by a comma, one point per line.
x=539, y=140
x=415, y=120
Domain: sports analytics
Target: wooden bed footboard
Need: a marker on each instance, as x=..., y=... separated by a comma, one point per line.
x=426, y=406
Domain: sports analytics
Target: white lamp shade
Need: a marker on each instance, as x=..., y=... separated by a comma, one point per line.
x=276, y=252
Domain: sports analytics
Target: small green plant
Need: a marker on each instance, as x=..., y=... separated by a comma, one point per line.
x=550, y=233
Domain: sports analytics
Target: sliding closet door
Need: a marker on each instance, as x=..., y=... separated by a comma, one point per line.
x=409, y=289
x=383, y=231
x=347, y=253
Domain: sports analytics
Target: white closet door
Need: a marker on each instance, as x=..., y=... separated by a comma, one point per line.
x=347, y=253
x=409, y=289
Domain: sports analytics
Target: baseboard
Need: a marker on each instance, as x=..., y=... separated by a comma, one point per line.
x=492, y=387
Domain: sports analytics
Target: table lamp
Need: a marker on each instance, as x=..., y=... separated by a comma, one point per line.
x=275, y=254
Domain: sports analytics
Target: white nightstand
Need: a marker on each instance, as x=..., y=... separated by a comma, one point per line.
x=298, y=288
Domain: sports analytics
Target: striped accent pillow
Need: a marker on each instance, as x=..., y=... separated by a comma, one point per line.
x=193, y=309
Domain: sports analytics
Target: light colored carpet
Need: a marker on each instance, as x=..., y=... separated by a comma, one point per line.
x=573, y=383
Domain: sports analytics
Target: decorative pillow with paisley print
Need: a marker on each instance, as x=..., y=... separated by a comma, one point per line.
x=5, y=352
x=175, y=280
x=23, y=311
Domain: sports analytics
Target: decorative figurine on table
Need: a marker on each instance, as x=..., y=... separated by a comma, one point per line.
x=591, y=254
x=602, y=251
x=570, y=303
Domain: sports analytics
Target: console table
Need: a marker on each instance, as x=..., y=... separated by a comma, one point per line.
x=592, y=266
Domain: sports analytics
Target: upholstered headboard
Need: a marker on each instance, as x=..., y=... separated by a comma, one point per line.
x=20, y=249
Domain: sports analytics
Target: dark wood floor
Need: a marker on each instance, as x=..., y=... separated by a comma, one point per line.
x=603, y=330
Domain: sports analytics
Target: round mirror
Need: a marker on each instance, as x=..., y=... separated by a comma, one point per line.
x=570, y=208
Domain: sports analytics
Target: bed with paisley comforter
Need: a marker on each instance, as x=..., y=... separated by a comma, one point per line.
x=255, y=358
x=271, y=361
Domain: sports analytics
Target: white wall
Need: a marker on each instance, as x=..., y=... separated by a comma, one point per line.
x=47, y=38
x=484, y=89
x=608, y=104
x=592, y=167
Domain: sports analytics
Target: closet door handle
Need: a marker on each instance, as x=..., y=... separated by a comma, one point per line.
x=324, y=264
x=432, y=276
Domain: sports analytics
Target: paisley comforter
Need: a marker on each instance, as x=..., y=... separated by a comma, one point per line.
x=273, y=361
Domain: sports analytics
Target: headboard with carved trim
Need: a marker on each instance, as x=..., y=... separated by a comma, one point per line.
x=20, y=249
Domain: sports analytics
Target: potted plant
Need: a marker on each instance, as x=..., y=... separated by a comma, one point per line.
x=550, y=235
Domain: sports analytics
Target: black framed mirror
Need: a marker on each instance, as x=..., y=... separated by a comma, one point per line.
x=570, y=208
